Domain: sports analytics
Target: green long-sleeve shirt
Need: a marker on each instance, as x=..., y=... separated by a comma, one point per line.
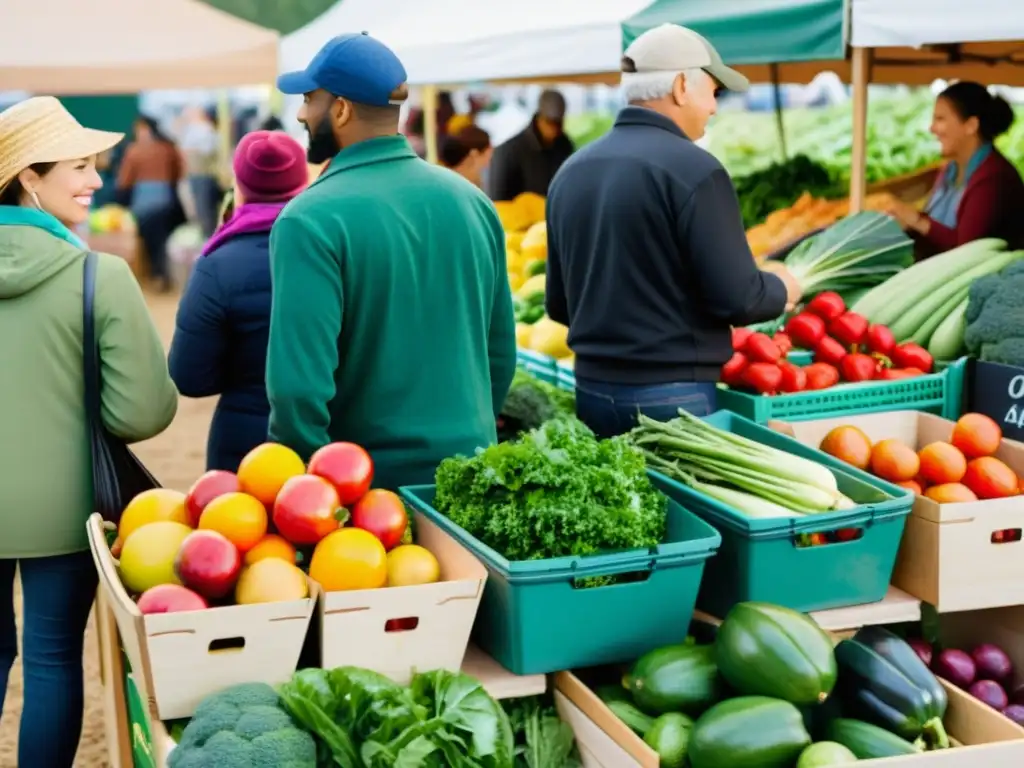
x=392, y=323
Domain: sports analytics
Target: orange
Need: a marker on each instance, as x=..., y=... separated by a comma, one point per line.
x=151, y=506
x=266, y=468
x=950, y=493
x=411, y=564
x=349, y=558
x=271, y=545
x=848, y=444
x=976, y=435
x=239, y=517
x=270, y=581
x=942, y=463
x=989, y=478
x=894, y=461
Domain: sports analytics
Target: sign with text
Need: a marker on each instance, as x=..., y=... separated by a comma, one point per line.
x=997, y=391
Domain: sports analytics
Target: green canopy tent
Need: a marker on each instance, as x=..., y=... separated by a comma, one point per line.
x=774, y=40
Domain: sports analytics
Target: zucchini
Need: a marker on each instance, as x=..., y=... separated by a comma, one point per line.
x=768, y=650
x=867, y=741
x=636, y=720
x=924, y=334
x=748, y=732
x=947, y=343
x=669, y=736
x=609, y=693
x=675, y=678
x=825, y=753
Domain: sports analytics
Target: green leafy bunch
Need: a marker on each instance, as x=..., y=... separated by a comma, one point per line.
x=556, y=491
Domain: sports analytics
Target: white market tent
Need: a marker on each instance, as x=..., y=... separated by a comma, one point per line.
x=918, y=41
x=125, y=46
x=448, y=42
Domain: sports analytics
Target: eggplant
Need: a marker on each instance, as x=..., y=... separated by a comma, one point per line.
x=882, y=681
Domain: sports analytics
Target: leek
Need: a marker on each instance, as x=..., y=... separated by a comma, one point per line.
x=748, y=504
x=862, y=250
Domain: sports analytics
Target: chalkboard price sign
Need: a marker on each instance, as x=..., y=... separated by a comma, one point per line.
x=997, y=391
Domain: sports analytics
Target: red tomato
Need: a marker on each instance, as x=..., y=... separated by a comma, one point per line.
x=828, y=306
x=911, y=355
x=821, y=376
x=880, y=340
x=740, y=336
x=895, y=374
x=794, y=379
x=849, y=328
x=830, y=351
x=763, y=378
x=306, y=509
x=760, y=348
x=858, y=367
x=732, y=371
x=347, y=467
x=382, y=513
x=783, y=342
x=805, y=329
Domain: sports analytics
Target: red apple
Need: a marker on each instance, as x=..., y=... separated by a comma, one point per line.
x=208, y=487
x=347, y=467
x=307, y=508
x=383, y=514
x=170, y=598
x=208, y=563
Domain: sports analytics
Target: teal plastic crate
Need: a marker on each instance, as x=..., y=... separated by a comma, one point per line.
x=800, y=357
x=759, y=559
x=939, y=393
x=544, y=367
x=533, y=620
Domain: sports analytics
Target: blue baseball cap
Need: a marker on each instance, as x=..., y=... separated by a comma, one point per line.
x=356, y=67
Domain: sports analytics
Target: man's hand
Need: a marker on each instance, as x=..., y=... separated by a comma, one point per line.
x=793, y=290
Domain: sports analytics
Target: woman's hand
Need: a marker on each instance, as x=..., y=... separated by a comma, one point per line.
x=909, y=217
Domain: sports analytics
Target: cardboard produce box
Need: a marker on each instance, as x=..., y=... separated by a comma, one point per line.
x=988, y=739
x=948, y=556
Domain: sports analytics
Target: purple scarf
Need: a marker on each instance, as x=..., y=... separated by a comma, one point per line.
x=248, y=219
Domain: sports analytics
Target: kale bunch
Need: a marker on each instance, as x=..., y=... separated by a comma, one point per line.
x=556, y=491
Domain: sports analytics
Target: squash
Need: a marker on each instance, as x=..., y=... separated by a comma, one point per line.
x=550, y=338
x=748, y=732
x=675, y=678
x=768, y=650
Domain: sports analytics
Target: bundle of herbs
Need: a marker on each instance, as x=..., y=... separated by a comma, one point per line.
x=554, y=492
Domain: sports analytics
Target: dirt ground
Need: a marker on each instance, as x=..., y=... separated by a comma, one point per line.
x=176, y=457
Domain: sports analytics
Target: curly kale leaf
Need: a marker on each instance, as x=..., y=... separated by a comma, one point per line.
x=555, y=492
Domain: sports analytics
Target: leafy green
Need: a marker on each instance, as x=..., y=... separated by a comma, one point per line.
x=861, y=250
x=542, y=739
x=365, y=720
x=530, y=402
x=556, y=491
x=780, y=185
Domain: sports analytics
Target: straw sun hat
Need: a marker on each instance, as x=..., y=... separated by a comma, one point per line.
x=41, y=130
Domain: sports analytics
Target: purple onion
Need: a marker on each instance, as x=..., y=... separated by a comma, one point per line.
x=1015, y=712
x=956, y=667
x=989, y=692
x=1017, y=697
x=992, y=663
x=923, y=649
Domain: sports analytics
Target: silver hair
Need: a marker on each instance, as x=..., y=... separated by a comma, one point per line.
x=651, y=86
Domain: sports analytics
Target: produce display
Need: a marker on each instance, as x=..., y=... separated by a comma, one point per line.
x=985, y=672
x=360, y=719
x=780, y=185
x=769, y=690
x=962, y=469
x=218, y=544
x=750, y=478
x=992, y=319
x=553, y=492
x=846, y=347
x=927, y=303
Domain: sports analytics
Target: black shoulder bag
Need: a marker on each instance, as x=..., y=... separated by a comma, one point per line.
x=117, y=474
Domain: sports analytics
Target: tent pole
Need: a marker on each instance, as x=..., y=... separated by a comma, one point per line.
x=430, y=121
x=777, y=93
x=861, y=72
x=224, y=132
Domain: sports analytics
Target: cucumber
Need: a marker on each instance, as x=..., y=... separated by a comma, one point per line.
x=768, y=650
x=609, y=693
x=637, y=721
x=669, y=736
x=675, y=678
x=825, y=753
x=867, y=741
x=948, y=340
x=749, y=732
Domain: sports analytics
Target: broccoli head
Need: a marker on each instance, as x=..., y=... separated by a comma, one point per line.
x=243, y=727
x=995, y=317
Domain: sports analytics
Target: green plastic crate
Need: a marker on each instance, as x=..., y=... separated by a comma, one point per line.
x=759, y=560
x=532, y=619
x=543, y=367
x=938, y=393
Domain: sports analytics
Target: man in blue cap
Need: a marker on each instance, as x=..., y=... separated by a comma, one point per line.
x=392, y=323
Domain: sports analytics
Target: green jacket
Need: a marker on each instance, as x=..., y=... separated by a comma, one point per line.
x=392, y=323
x=46, y=470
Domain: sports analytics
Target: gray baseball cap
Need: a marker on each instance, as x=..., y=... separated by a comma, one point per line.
x=551, y=106
x=671, y=48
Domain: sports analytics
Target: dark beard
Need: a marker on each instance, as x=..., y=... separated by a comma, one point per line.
x=322, y=144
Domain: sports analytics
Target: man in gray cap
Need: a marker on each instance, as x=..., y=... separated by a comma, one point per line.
x=529, y=160
x=648, y=262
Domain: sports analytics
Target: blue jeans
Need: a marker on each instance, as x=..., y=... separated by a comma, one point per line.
x=611, y=409
x=57, y=596
x=206, y=195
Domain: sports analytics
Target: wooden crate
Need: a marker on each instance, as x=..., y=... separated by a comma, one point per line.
x=947, y=556
x=353, y=624
x=180, y=658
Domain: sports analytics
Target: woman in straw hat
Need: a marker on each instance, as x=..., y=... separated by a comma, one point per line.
x=47, y=180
